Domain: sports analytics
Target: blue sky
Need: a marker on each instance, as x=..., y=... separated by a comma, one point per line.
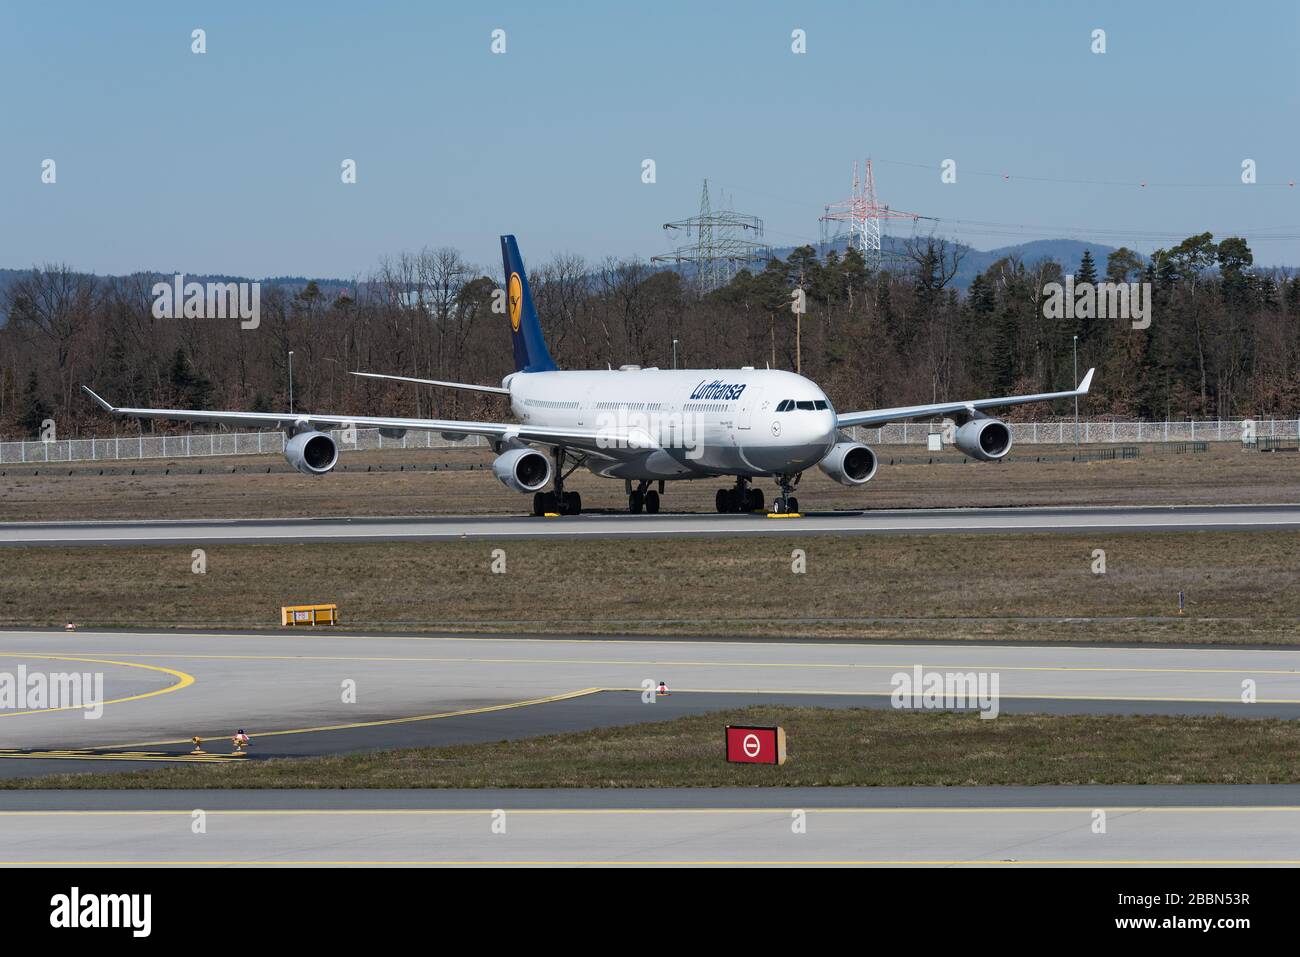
x=230, y=161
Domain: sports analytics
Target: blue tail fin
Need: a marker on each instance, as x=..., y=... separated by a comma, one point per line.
x=531, y=354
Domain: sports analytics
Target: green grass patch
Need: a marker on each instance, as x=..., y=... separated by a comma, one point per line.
x=827, y=747
x=1240, y=587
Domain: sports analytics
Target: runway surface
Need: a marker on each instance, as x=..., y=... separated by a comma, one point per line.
x=311, y=693
x=285, y=690
x=991, y=827
x=909, y=521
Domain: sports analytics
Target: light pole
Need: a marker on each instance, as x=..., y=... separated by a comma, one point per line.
x=674, y=353
x=1076, y=398
x=291, y=381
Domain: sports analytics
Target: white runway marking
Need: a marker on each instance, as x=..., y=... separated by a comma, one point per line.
x=917, y=521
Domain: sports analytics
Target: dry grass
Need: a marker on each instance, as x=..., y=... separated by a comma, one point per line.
x=1239, y=586
x=827, y=747
x=1224, y=474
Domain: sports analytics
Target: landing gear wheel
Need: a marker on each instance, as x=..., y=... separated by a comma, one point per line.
x=635, y=501
x=720, y=500
x=792, y=505
x=652, y=503
x=539, y=503
x=572, y=503
x=754, y=500
x=778, y=507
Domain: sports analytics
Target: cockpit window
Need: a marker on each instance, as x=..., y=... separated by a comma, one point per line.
x=806, y=406
x=784, y=406
x=821, y=404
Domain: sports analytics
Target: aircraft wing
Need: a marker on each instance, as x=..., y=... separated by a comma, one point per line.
x=605, y=442
x=882, y=416
x=496, y=390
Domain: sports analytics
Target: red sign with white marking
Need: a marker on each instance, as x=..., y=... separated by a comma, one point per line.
x=748, y=745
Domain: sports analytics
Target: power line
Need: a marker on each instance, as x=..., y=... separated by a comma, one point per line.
x=1135, y=183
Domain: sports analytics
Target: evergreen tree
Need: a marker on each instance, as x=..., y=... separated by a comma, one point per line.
x=192, y=389
x=1087, y=269
x=34, y=409
x=1121, y=264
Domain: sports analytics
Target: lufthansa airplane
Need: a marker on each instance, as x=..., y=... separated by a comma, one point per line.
x=646, y=426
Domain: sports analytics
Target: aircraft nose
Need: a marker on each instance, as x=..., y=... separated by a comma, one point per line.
x=817, y=428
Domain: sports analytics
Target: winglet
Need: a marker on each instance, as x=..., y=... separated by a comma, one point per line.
x=104, y=405
x=1082, y=389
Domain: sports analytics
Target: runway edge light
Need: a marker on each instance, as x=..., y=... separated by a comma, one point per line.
x=755, y=745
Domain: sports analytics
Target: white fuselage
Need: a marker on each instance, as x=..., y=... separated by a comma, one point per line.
x=686, y=423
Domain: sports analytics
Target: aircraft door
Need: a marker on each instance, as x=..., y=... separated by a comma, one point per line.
x=748, y=401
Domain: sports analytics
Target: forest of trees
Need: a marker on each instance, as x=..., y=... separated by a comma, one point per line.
x=1224, y=339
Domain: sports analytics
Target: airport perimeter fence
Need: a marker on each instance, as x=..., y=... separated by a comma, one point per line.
x=207, y=444
x=1101, y=430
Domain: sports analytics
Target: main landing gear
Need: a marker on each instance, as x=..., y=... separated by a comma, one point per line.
x=742, y=498
x=558, y=502
x=643, y=497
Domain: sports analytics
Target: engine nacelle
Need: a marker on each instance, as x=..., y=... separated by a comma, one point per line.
x=984, y=439
x=849, y=463
x=523, y=470
x=312, y=453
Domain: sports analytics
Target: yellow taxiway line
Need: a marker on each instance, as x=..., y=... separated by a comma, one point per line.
x=183, y=680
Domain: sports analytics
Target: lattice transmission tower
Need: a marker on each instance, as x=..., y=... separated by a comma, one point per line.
x=863, y=213
x=721, y=247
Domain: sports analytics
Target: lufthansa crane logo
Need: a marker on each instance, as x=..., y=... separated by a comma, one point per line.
x=516, y=294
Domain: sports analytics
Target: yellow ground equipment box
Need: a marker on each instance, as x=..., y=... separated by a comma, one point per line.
x=309, y=615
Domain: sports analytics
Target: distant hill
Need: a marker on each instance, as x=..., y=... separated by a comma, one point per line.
x=1067, y=252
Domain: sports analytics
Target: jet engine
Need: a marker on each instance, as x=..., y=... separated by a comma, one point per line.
x=312, y=453
x=849, y=463
x=984, y=439
x=523, y=470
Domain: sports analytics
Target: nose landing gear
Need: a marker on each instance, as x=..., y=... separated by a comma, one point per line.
x=785, y=503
